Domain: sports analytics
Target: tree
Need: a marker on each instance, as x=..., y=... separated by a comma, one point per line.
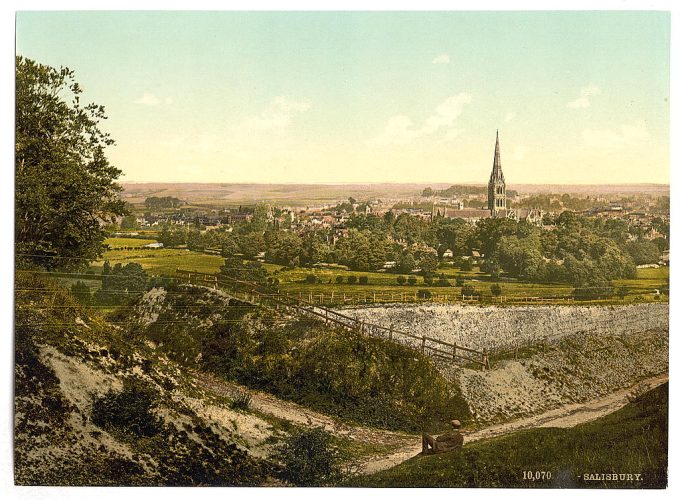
x=496, y=289
x=401, y=280
x=351, y=279
x=406, y=263
x=81, y=292
x=411, y=280
x=428, y=263
x=309, y=458
x=363, y=280
x=469, y=291
x=64, y=184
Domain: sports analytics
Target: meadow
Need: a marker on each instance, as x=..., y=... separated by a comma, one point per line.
x=381, y=286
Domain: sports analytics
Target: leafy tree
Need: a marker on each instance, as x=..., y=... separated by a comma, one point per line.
x=643, y=252
x=411, y=280
x=310, y=279
x=121, y=284
x=81, y=292
x=496, y=289
x=363, y=280
x=401, y=279
x=469, y=291
x=251, y=244
x=129, y=222
x=235, y=268
x=460, y=281
x=351, y=279
x=64, y=184
x=406, y=263
x=310, y=458
x=424, y=293
x=339, y=280
x=428, y=263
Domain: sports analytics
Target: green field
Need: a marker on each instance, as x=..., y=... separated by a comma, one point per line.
x=164, y=261
x=127, y=242
x=632, y=440
x=381, y=287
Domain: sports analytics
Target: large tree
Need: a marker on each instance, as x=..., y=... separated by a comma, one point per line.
x=65, y=186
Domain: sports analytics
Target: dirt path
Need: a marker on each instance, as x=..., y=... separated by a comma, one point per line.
x=299, y=415
x=409, y=445
x=566, y=416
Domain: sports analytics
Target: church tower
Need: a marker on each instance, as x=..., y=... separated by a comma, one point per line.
x=497, y=199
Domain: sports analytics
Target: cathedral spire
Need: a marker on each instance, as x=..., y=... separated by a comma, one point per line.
x=497, y=197
x=497, y=172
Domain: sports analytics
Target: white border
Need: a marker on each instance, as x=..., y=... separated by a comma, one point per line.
x=7, y=490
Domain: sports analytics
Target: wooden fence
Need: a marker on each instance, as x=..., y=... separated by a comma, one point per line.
x=258, y=295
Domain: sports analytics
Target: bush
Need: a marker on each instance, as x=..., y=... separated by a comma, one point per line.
x=442, y=281
x=351, y=280
x=241, y=400
x=466, y=265
x=469, y=291
x=311, y=279
x=428, y=280
x=496, y=289
x=460, y=281
x=363, y=280
x=424, y=294
x=339, y=280
x=411, y=280
x=130, y=410
x=401, y=280
x=309, y=458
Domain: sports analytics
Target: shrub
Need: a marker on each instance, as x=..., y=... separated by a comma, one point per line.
x=309, y=458
x=424, y=294
x=460, y=281
x=469, y=291
x=351, y=280
x=466, y=265
x=401, y=280
x=411, y=280
x=442, y=281
x=496, y=289
x=130, y=410
x=428, y=280
x=339, y=280
x=311, y=279
x=363, y=280
x=241, y=400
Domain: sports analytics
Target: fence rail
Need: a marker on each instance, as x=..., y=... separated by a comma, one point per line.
x=254, y=294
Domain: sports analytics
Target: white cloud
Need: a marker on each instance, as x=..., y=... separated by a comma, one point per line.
x=510, y=116
x=149, y=99
x=441, y=59
x=610, y=139
x=584, y=100
x=278, y=115
x=401, y=129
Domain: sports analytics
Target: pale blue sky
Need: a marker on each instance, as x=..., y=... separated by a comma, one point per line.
x=579, y=97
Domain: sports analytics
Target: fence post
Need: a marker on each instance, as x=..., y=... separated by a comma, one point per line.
x=485, y=359
x=390, y=333
x=422, y=346
x=454, y=350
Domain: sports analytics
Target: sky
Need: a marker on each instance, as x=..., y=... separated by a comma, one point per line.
x=342, y=97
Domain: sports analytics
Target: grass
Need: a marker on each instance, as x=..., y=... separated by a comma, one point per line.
x=165, y=261
x=127, y=242
x=632, y=440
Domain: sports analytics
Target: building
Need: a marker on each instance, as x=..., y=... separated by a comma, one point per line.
x=497, y=200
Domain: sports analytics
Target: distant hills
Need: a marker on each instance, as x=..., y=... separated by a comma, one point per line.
x=304, y=194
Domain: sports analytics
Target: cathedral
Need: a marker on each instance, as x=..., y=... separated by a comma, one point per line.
x=497, y=202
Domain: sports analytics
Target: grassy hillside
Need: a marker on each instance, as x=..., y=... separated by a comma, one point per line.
x=95, y=407
x=362, y=379
x=632, y=440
